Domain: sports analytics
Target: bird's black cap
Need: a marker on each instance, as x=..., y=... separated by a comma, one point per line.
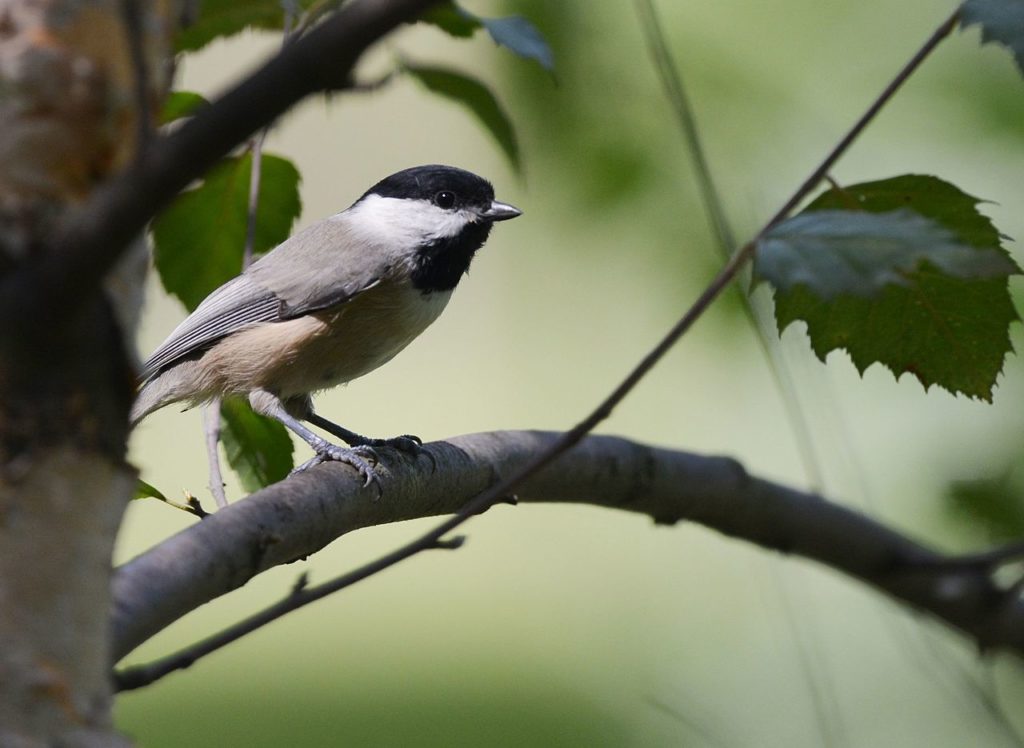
x=425, y=182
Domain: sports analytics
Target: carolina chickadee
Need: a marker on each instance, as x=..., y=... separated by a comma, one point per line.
x=331, y=303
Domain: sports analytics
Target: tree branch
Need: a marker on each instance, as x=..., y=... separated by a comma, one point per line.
x=93, y=237
x=301, y=515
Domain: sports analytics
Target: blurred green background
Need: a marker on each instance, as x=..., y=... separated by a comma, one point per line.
x=576, y=626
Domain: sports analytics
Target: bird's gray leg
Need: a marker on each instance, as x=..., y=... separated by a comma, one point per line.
x=405, y=442
x=269, y=404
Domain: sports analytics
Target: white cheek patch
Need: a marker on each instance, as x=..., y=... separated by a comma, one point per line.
x=406, y=223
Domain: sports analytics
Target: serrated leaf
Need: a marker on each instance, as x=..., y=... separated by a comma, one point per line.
x=1001, y=21
x=200, y=237
x=945, y=330
x=219, y=18
x=835, y=252
x=181, y=104
x=515, y=33
x=474, y=95
x=258, y=449
x=145, y=490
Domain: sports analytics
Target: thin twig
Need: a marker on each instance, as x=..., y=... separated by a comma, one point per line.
x=828, y=717
x=566, y=441
x=256, y=150
x=211, y=430
x=299, y=595
x=211, y=410
x=255, y=175
x=191, y=505
x=132, y=14
x=675, y=92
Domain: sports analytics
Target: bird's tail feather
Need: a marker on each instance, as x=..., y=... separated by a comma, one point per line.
x=167, y=387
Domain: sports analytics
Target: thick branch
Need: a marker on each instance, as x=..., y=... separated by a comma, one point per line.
x=301, y=515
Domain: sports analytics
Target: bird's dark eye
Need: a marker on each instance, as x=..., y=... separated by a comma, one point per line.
x=444, y=199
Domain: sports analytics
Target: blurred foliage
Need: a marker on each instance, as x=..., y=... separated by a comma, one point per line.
x=215, y=19
x=594, y=120
x=993, y=505
x=476, y=97
x=512, y=32
x=179, y=104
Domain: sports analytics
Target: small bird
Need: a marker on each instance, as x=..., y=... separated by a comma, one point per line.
x=330, y=304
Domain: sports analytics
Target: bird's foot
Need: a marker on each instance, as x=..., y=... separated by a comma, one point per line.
x=406, y=443
x=361, y=457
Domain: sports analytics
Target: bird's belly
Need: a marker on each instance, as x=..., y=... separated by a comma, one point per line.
x=358, y=337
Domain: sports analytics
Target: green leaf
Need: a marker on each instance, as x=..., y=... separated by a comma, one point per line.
x=1001, y=21
x=515, y=33
x=200, y=237
x=477, y=97
x=219, y=18
x=258, y=449
x=835, y=252
x=994, y=505
x=452, y=20
x=144, y=490
x=181, y=104
x=945, y=329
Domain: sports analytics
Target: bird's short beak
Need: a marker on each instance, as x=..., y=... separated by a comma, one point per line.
x=500, y=211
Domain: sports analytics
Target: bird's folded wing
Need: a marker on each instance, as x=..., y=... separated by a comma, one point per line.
x=237, y=304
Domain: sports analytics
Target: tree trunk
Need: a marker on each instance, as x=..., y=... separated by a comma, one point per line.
x=76, y=84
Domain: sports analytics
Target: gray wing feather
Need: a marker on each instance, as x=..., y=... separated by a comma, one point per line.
x=237, y=304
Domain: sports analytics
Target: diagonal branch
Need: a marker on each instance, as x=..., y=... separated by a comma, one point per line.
x=94, y=236
x=301, y=515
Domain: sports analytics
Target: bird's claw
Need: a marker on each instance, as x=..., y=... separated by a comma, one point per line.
x=359, y=457
x=406, y=443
